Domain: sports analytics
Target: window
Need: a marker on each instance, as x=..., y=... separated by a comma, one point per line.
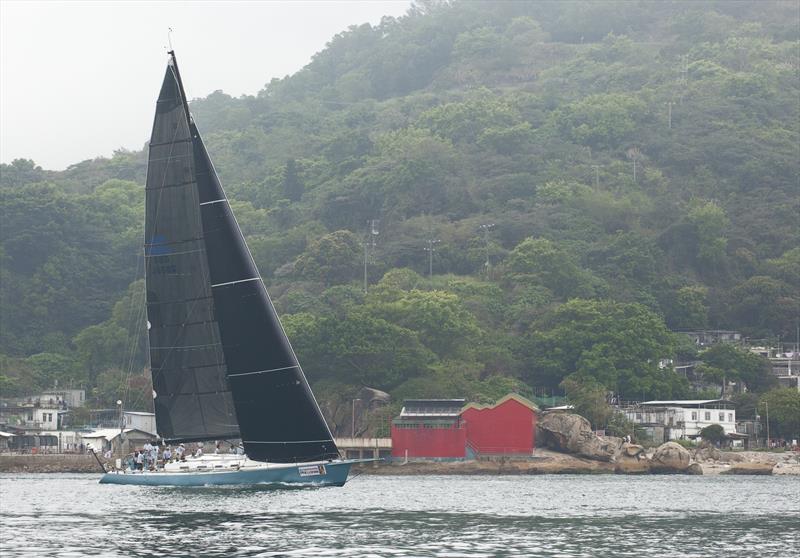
x=730, y=417
x=694, y=415
x=708, y=415
x=639, y=416
x=722, y=417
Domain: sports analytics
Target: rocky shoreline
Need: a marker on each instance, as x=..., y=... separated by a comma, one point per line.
x=543, y=462
x=571, y=447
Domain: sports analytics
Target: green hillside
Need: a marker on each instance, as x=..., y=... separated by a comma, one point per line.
x=595, y=176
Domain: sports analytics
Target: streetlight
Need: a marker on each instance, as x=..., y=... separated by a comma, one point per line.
x=430, y=249
x=485, y=228
x=121, y=422
x=353, y=427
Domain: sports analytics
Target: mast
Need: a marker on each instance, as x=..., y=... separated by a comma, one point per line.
x=174, y=62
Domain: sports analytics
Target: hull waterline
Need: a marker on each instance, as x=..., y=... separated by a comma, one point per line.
x=328, y=474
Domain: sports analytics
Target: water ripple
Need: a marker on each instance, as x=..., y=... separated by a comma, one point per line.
x=448, y=517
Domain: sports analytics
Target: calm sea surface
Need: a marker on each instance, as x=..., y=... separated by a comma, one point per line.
x=604, y=515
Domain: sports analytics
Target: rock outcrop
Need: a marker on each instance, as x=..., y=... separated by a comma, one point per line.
x=694, y=469
x=756, y=468
x=670, y=458
x=631, y=450
x=572, y=433
x=631, y=460
x=708, y=454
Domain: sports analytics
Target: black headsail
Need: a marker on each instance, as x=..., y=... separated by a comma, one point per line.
x=218, y=351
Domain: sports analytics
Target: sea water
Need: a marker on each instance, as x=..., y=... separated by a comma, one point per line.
x=447, y=516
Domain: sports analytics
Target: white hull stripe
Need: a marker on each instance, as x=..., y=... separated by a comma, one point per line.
x=215, y=201
x=235, y=282
x=295, y=442
x=263, y=371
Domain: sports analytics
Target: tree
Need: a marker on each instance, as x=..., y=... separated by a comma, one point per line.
x=603, y=120
x=589, y=399
x=356, y=349
x=710, y=225
x=735, y=364
x=439, y=319
x=714, y=433
x=764, y=307
x=617, y=345
x=292, y=186
x=332, y=259
x=542, y=261
x=784, y=412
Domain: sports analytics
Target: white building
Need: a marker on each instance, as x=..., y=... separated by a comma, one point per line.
x=109, y=438
x=70, y=397
x=146, y=422
x=682, y=419
x=39, y=418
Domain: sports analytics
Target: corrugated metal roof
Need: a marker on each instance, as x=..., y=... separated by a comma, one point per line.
x=432, y=408
x=110, y=433
x=685, y=402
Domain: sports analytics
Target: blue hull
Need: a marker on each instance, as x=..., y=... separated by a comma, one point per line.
x=332, y=474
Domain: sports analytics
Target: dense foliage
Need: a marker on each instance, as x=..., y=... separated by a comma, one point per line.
x=593, y=174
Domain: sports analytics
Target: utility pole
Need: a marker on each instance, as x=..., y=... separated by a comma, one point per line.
x=121, y=421
x=669, y=113
x=370, y=238
x=634, y=153
x=596, y=176
x=485, y=228
x=430, y=249
x=366, y=246
x=353, y=428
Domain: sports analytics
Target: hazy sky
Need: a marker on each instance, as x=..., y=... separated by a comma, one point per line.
x=80, y=79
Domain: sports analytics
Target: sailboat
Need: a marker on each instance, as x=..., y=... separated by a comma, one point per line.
x=222, y=365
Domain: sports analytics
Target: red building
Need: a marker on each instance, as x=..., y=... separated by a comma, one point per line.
x=506, y=428
x=446, y=429
x=430, y=428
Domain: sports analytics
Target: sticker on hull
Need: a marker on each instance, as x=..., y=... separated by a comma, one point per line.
x=311, y=470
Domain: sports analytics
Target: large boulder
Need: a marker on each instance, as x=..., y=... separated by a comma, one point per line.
x=694, y=469
x=671, y=458
x=572, y=433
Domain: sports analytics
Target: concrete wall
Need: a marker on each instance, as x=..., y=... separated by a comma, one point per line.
x=49, y=464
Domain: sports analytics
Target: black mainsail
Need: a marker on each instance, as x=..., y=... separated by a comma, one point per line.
x=222, y=365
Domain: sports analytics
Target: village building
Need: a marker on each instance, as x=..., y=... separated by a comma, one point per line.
x=682, y=419
x=708, y=337
x=506, y=428
x=430, y=429
x=110, y=439
x=785, y=364
x=444, y=429
x=140, y=420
